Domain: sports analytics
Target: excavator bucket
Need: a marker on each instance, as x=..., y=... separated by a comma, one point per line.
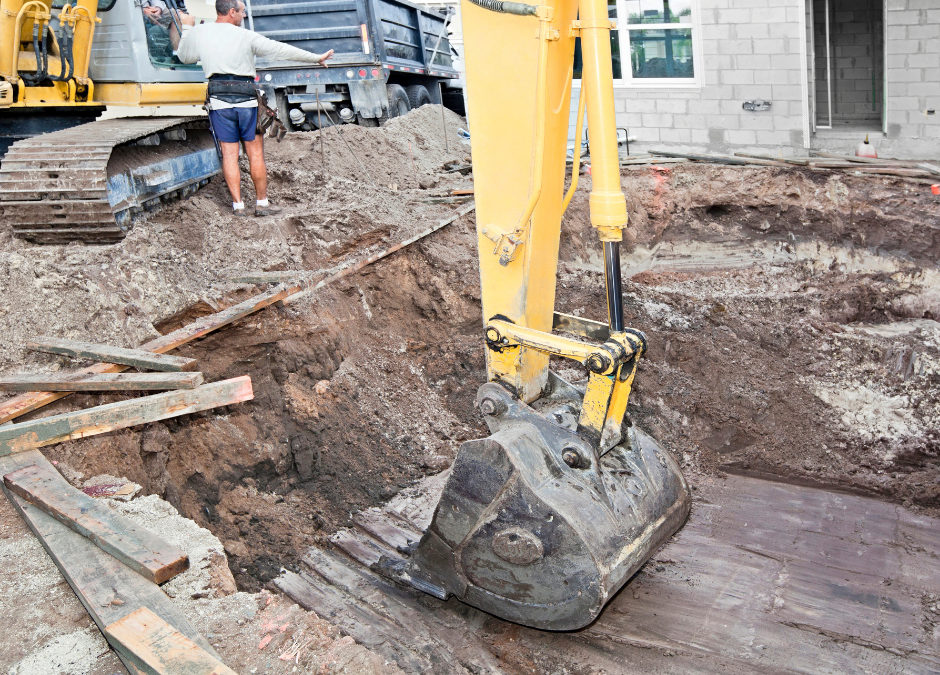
x=522, y=534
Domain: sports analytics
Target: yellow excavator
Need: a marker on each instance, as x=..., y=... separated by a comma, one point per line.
x=543, y=521
x=64, y=176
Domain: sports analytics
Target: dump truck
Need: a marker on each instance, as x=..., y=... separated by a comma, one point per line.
x=391, y=56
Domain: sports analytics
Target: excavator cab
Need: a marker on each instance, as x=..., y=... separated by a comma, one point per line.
x=543, y=521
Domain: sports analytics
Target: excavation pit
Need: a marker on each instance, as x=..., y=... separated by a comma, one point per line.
x=792, y=317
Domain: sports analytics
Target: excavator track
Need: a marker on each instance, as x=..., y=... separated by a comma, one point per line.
x=88, y=183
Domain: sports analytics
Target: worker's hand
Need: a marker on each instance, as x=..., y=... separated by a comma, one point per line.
x=152, y=13
x=323, y=59
x=186, y=19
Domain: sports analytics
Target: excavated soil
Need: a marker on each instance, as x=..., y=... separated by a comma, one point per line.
x=792, y=318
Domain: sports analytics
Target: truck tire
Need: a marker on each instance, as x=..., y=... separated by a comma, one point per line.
x=418, y=95
x=283, y=109
x=398, y=104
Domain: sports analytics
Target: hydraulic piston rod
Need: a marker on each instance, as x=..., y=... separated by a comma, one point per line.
x=614, y=286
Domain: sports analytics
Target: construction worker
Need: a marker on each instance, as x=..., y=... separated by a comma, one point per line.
x=227, y=53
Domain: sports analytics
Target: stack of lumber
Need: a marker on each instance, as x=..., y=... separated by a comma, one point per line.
x=819, y=161
x=113, y=565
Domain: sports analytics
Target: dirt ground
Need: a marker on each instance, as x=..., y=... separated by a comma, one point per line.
x=792, y=318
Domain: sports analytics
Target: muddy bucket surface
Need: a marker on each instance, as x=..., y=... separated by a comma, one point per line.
x=522, y=534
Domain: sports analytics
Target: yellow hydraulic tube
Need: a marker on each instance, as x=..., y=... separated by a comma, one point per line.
x=545, y=15
x=576, y=163
x=83, y=36
x=608, y=205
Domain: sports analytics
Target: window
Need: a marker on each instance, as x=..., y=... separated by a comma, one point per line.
x=656, y=44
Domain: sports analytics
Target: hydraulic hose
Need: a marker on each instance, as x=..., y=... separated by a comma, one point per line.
x=614, y=286
x=518, y=8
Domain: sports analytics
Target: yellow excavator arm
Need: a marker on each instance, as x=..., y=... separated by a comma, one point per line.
x=546, y=518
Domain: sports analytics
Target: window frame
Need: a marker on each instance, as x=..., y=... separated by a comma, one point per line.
x=626, y=63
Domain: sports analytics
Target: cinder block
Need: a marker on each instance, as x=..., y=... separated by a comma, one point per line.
x=704, y=107
x=787, y=92
x=737, y=77
x=769, y=46
x=905, y=18
x=657, y=120
x=645, y=134
x=734, y=16
x=675, y=135
x=923, y=31
x=773, y=137
x=906, y=75
x=775, y=14
x=700, y=135
x=729, y=122
x=897, y=60
x=782, y=29
x=924, y=60
x=896, y=5
x=671, y=105
x=757, y=121
x=751, y=30
x=786, y=122
x=640, y=105
x=896, y=31
x=750, y=92
x=741, y=136
x=755, y=61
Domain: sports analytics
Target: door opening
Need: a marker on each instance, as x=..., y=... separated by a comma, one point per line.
x=848, y=41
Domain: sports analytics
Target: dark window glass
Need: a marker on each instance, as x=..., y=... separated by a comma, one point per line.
x=661, y=53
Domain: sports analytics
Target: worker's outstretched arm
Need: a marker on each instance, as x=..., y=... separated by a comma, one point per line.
x=278, y=51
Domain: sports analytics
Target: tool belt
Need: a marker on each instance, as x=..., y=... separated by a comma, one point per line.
x=246, y=89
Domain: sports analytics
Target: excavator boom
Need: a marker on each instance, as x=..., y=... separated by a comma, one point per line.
x=543, y=521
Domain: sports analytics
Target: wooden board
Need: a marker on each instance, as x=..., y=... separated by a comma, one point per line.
x=286, y=276
x=102, y=382
x=159, y=649
x=136, y=358
x=104, y=418
x=26, y=403
x=141, y=550
x=107, y=588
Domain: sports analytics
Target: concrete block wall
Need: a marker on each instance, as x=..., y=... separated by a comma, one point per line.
x=751, y=52
x=913, y=76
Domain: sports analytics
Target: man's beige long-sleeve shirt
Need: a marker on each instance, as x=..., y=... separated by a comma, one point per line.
x=227, y=49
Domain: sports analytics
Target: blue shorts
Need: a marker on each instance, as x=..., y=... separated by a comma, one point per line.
x=232, y=125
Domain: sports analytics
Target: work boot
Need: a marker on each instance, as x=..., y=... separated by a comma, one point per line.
x=240, y=213
x=269, y=210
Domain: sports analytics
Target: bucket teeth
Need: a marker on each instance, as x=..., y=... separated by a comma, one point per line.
x=534, y=527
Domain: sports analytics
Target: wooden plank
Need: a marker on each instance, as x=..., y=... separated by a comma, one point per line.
x=107, y=588
x=137, y=358
x=102, y=382
x=785, y=160
x=123, y=414
x=457, y=193
x=717, y=159
x=147, y=554
x=931, y=168
x=159, y=649
x=26, y=403
x=286, y=276
x=378, y=256
x=862, y=160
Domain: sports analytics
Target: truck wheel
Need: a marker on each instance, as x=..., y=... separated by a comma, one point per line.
x=283, y=109
x=418, y=95
x=398, y=104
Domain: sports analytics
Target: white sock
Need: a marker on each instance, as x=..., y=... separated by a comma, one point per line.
x=263, y=202
x=238, y=205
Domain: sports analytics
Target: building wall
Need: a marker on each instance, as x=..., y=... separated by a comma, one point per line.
x=752, y=51
x=913, y=77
